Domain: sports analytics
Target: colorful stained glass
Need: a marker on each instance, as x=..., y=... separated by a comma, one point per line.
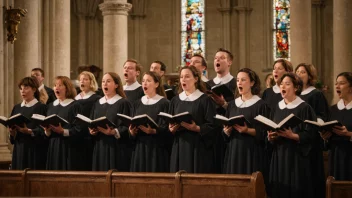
x=192, y=27
x=281, y=26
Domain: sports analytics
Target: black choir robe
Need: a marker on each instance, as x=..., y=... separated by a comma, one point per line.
x=192, y=151
x=110, y=152
x=340, y=155
x=133, y=92
x=86, y=148
x=220, y=146
x=245, y=153
x=316, y=99
x=63, y=151
x=290, y=174
x=272, y=96
x=152, y=152
x=29, y=151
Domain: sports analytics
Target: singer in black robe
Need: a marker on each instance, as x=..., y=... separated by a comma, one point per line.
x=290, y=174
x=152, y=151
x=86, y=147
x=29, y=150
x=62, y=152
x=245, y=153
x=192, y=151
x=133, y=92
x=316, y=99
x=111, y=152
x=340, y=155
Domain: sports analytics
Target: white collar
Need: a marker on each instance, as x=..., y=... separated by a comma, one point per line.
x=276, y=89
x=308, y=90
x=134, y=86
x=341, y=105
x=204, y=79
x=30, y=104
x=89, y=94
x=41, y=87
x=64, y=103
x=290, y=105
x=192, y=97
x=242, y=104
x=111, y=100
x=151, y=101
x=227, y=78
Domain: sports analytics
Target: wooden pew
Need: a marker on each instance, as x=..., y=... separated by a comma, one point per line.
x=216, y=185
x=12, y=183
x=68, y=184
x=337, y=189
x=126, y=184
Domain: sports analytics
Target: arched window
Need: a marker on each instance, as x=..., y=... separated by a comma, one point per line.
x=281, y=27
x=192, y=29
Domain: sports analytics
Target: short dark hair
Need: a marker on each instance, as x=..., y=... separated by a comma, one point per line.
x=296, y=80
x=40, y=70
x=162, y=65
x=287, y=64
x=229, y=54
x=347, y=75
x=157, y=79
x=30, y=82
x=312, y=73
x=196, y=74
x=255, y=89
x=204, y=62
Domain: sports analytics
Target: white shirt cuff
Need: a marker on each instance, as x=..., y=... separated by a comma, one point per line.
x=117, y=135
x=66, y=132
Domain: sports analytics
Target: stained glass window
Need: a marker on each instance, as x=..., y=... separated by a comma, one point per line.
x=281, y=26
x=192, y=27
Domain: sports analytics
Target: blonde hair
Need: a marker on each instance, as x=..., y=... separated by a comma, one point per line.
x=93, y=82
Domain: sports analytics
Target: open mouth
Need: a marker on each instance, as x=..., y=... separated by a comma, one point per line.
x=57, y=92
x=217, y=64
x=145, y=88
x=183, y=84
x=276, y=76
x=82, y=85
x=338, y=91
x=106, y=89
x=283, y=91
x=240, y=88
x=125, y=74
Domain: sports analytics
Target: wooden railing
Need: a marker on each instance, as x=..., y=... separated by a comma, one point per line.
x=126, y=184
x=337, y=189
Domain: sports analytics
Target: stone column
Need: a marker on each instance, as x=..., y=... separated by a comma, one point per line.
x=27, y=43
x=318, y=35
x=301, y=31
x=138, y=13
x=115, y=44
x=62, y=44
x=243, y=10
x=225, y=9
x=342, y=38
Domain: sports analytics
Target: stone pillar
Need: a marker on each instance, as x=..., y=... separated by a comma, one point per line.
x=225, y=9
x=318, y=35
x=342, y=36
x=243, y=10
x=62, y=44
x=138, y=13
x=115, y=44
x=301, y=31
x=27, y=43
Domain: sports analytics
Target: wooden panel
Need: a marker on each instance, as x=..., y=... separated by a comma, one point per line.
x=338, y=188
x=67, y=184
x=212, y=185
x=143, y=184
x=11, y=183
